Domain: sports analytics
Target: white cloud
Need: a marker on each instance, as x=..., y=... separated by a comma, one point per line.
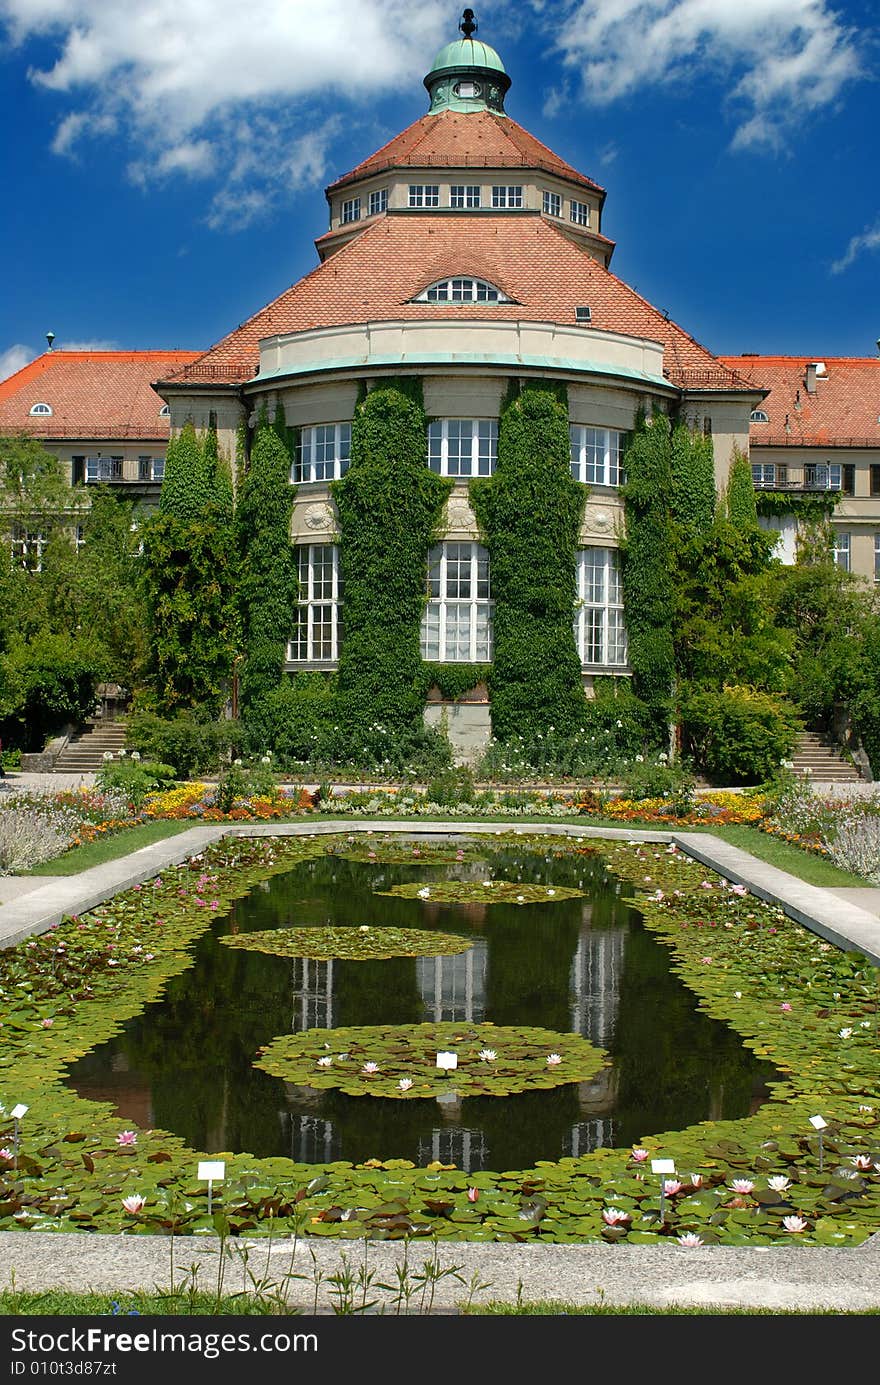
x=774, y=60
x=15, y=358
x=214, y=89
x=95, y=344
x=868, y=240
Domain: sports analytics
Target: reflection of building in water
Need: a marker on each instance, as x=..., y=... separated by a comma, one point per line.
x=595, y=983
x=311, y=995
x=454, y=988
x=310, y=1139
x=587, y=1136
x=466, y=1149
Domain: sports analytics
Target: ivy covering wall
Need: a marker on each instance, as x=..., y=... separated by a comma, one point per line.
x=268, y=585
x=646, y=570
x=529, y=515
x=390, y=505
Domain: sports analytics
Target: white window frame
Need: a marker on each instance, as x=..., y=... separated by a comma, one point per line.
x=318, y=607
x=41, y=410
x=151, y=468
x=769, y=475
x=457, y=623
x=597, y=455
x=579, y=213
x=351, y=210
x=424, y=194
x=27, y=548
x=552, y=203
x=463, y=447
x=823, y=476
x=322, y=453
x=104, y=469
x=507, y=195
x=599, y=628
x=378, y=201
x=877, y=557
x=759, y=416
x=841, y=548
x=465, y=195
x=461, y=288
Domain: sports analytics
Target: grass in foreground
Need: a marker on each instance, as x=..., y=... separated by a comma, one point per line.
x=109, y=848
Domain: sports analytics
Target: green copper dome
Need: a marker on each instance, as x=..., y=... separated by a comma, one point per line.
x=467, y=52
x=467, y=75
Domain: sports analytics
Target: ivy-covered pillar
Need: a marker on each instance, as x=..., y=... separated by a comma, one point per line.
x=529, y=515
x=389, y=506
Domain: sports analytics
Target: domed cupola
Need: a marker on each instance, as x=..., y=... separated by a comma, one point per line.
x=467, y=75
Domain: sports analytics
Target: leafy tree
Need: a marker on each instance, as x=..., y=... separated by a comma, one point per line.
x=46, y=682
x=741, y=504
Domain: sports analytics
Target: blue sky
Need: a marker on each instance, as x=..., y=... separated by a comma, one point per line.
x=164, y=161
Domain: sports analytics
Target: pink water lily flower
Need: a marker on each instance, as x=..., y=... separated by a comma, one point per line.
x=553, y=1060
x=126, y=1138
x=134, y=1203
x=785, y=1006
x=742, y=1185
x=369, y=1068
x=794, y=1224
x=473, y=1194
x=615, y=1216
x=690, y=1239
x=640, y=1155
x=671, y=1186
x=6, y=1154
x=862, y=1161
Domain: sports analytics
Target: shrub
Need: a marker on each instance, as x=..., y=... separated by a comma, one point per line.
x=135, y=778
x=27, y=838
x=453, y=786
x=46, y=682
x=738, y=735
x=656, y=778
x=193, y=747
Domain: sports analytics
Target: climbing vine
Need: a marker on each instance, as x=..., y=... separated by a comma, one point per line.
x=529, y=514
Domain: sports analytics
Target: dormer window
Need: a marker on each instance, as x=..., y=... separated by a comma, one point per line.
x=165, y=411
x=461, y=290
x=759, y=416
x=41, y=411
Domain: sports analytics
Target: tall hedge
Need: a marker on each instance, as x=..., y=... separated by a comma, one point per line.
x=742, y=509
x=267, y=586
x=647, y=567
x=529, y=514
x=693, y=500
x=389, y=506
x=188, y=484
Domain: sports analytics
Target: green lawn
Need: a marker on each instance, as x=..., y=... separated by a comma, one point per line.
x=109, y=848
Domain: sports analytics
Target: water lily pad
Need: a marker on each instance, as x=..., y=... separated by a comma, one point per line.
x=400, y=1061
x=486, y=891
x=352, y=943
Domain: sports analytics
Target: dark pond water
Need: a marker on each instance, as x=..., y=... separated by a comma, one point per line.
x=586, y=966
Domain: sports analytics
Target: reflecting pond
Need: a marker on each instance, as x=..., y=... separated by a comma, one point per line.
x=585, y=965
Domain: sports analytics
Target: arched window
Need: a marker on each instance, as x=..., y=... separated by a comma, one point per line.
x=759, y=416
x=165, y=411
x=461, y=289
x=41, y=411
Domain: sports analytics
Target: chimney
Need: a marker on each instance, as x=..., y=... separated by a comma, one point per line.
x=810, y=378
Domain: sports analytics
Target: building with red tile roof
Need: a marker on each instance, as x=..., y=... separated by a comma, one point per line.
x=818, y=429
x=97, y=411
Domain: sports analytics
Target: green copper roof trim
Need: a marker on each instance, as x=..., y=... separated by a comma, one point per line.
x=368, y=363
x=467, y=52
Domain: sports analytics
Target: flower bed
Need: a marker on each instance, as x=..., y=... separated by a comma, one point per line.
x=810, y=1008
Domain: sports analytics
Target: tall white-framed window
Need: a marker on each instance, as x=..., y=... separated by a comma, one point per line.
x=552, y=204
x=317, y=626
x=463, y=446
x=151, y=468
x=580, y=213
x=827, y=476
x=877, y=557
x=457, y=624
x=27, y=548
x=461, y=289
x=351, y=210
x=596, y=455
x=507, y=196
x=767, y=475
x=378, y=201
x=464, y=195
x=424, y=194
x=841, y=547
x=322, y=453
x=598, y=624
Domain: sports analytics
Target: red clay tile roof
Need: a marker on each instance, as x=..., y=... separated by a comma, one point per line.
x=455, y=139
x=844, y=411
x=375, y=277
x=92, y=394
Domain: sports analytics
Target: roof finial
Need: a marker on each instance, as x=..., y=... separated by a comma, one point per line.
x=467, y=25
x=50, y=337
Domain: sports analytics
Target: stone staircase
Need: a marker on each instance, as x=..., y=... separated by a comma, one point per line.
x=822, y=761
x=84, y=752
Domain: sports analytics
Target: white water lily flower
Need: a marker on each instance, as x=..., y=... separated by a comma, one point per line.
x=794, y=1224
x=845, y=1033
x=369, y=1068
x=742, y=1185
x=690, y=1239
x=405, y=1083
x=779, y=1182
x=487, y=1055
x=325, y=1061
x=134, y=1203
x=424, y=893
x=553, y=1059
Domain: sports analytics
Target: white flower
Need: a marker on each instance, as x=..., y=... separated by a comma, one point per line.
x=108, y=755
x=135, y=755
x=742, y=1185
x=405, y=1083
x=794, y=1224
x=424, y=893
x=133, y=1203
x=640, y=759
x=845, y=1033
x=690, y=1239
x=265, y=759
x=364, y=928
x=553, y=1060
x=487, y=1055
x=779, y=1183
x=236, y=762
x=369, y=1068
x=325, y=1061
